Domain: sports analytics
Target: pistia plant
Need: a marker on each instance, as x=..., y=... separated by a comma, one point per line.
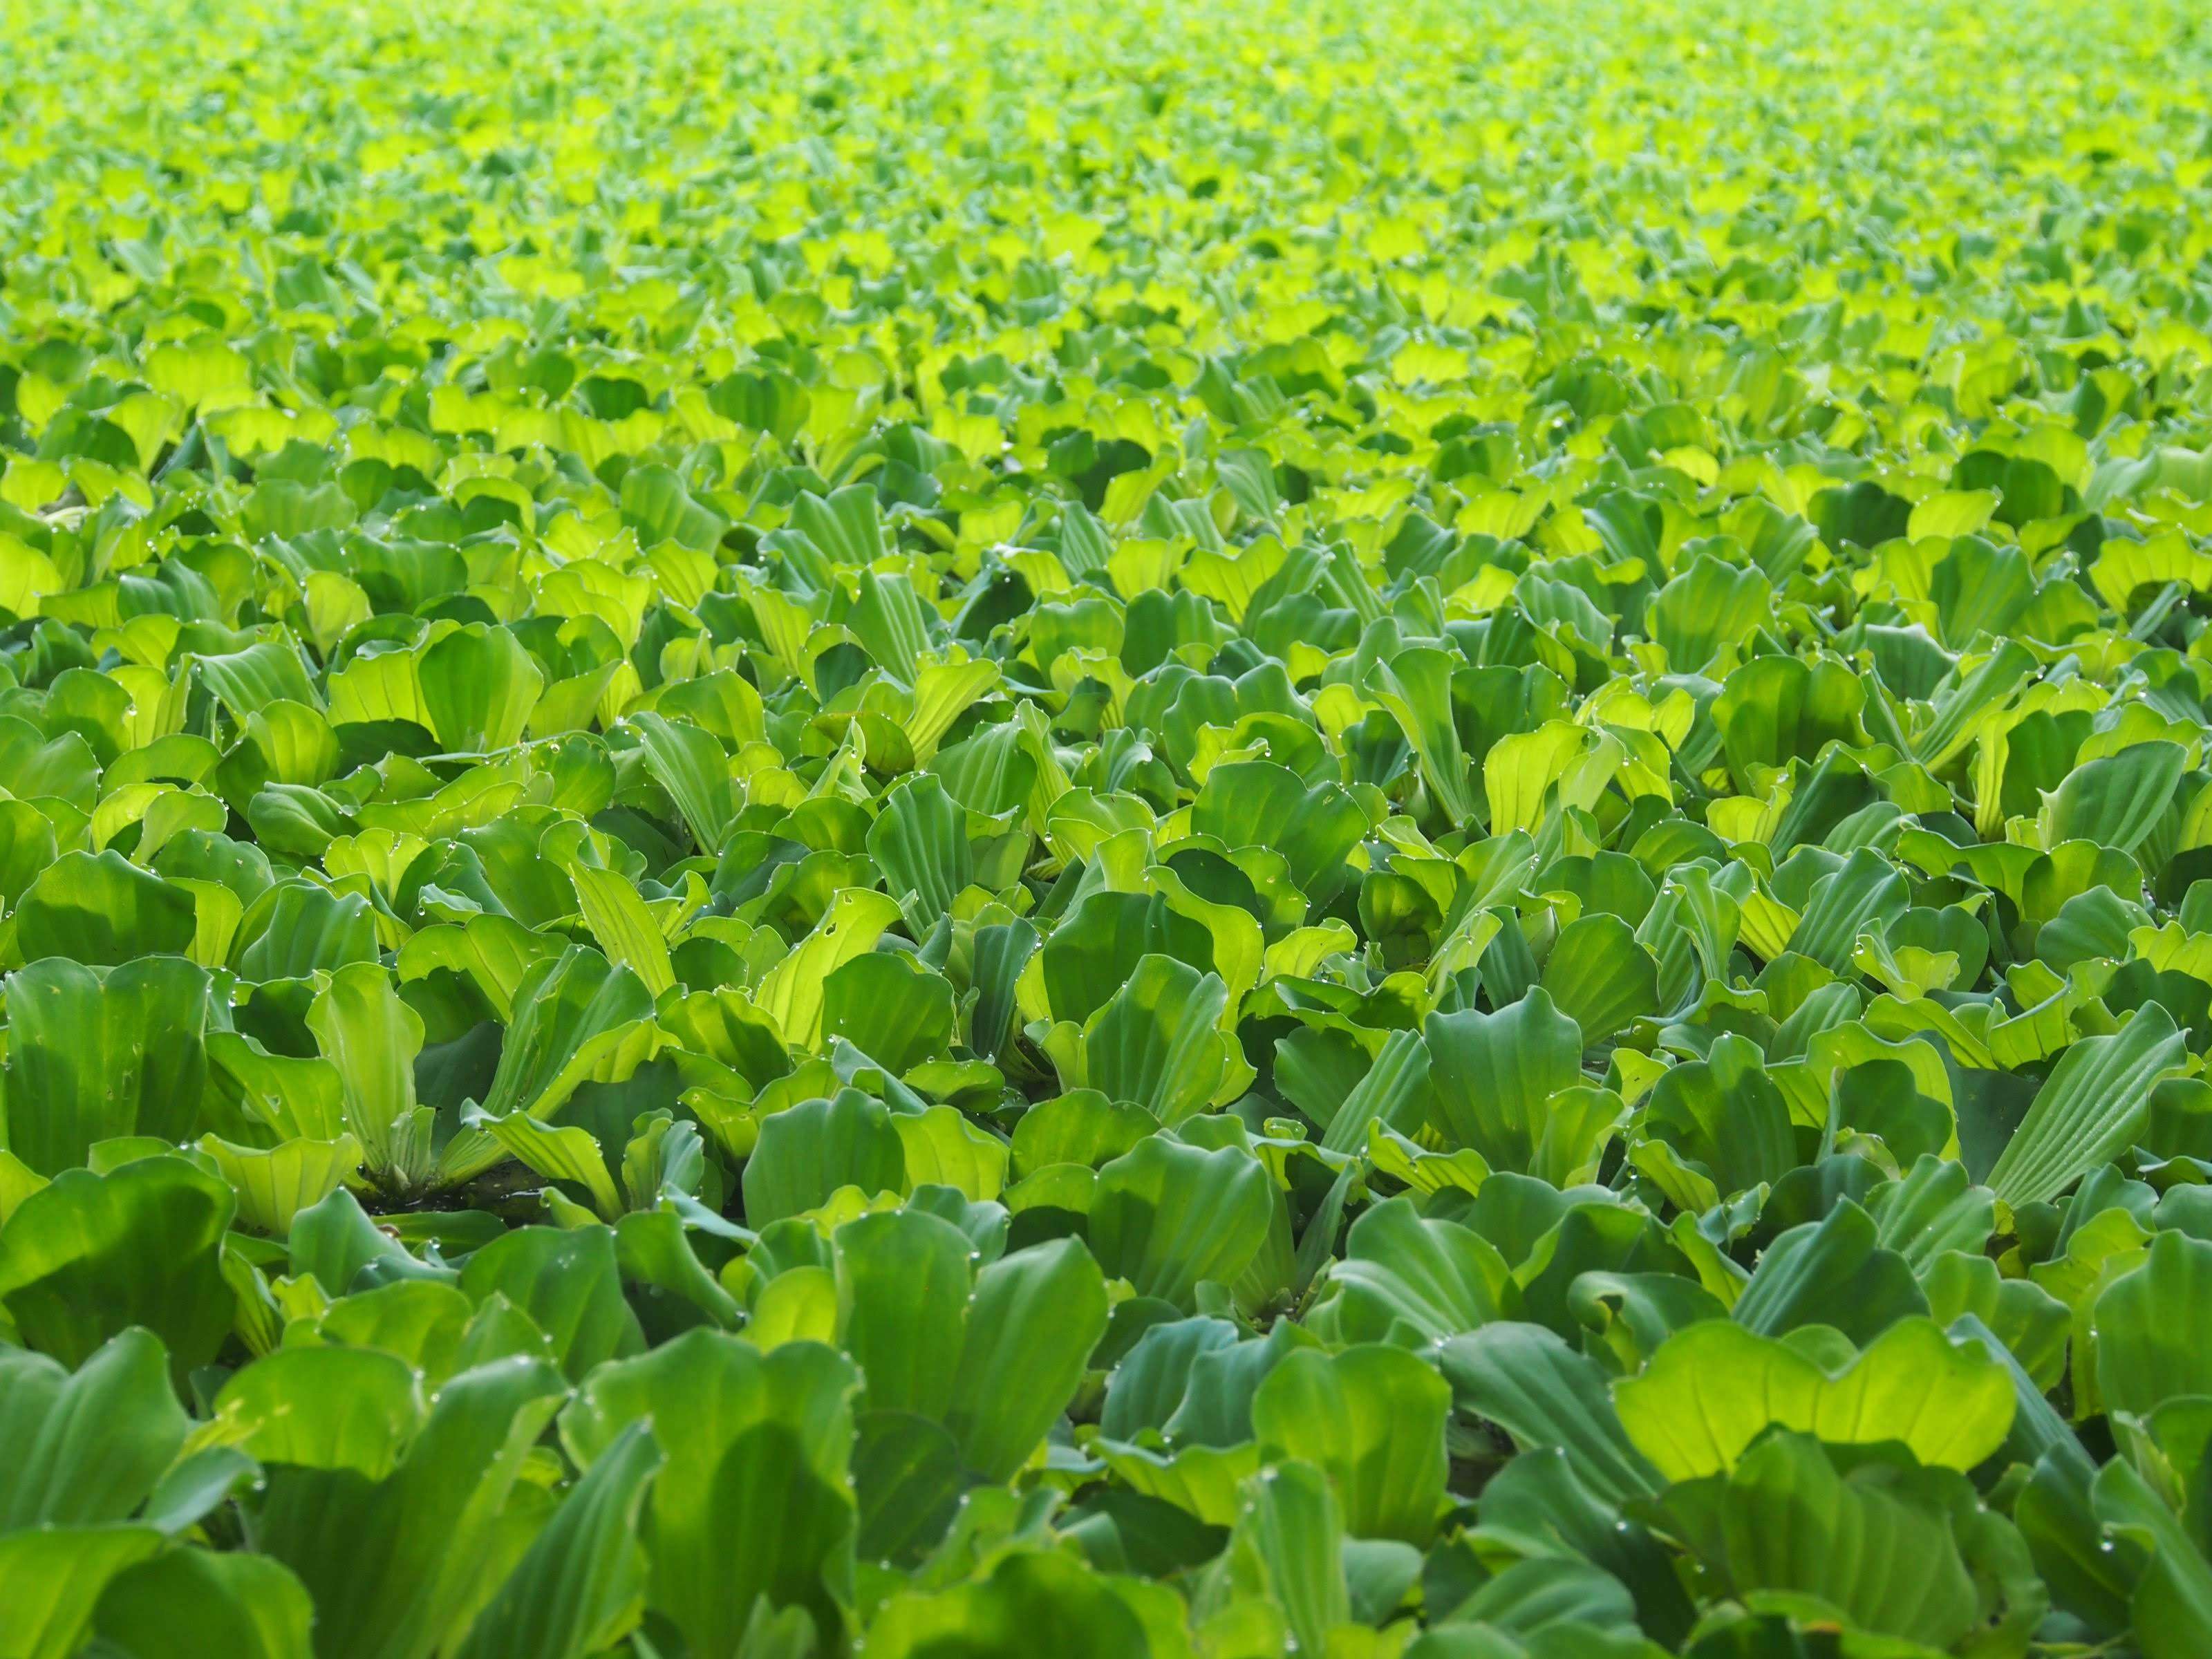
x=1176, y=833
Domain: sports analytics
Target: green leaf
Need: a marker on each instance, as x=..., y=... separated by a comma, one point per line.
x=394, y=1565
x=1530, y=1384
x=576, y=1590
x=63, y=769
x=1258, y=803
x=907, y=1482
x=27, y=846
x=1547, y=1593
x=1094, y=950
x=421, y=1320
x=890, y=1007
x=1032, y=1602
x=1716, y=1128
x=2145, y=1327
x=187, y=1603
x=100, y=909
x=87, y=1256
x=888, y=618
x=1713, y=1389
x=2172, y=1598
x=902, y=1289
x=791, y=994
x=1168, y=1216
x=478, y=686
x=1776, y=709
x=335, y=1240
x=268, y=670
x=273, y=1184
x=1711, y=604
x=568, y=1009
x=754, y=1504
x=566, y=1153
x=655, y=502
x=1392, y=1095
x=372, y=1037
x=2090, y=1108
x=304, y=927
x=1372, y=1418
x=1291, y=1529
x=1492, y=1077
x=1833, y=1271
x=693, y=768
x=625, y=929
x=52, y=1579
x=323, y=1408
x=1157, y=1043
x=1600, y=977
x=1880, y=1552
x=920, y=842
x=1951, y=513
x=1036, y=1317
x=1977, y=588
x=1428, y=1280
x=567, y=1280
x=2115, y=801
x=91, y=1445
x=808, y=1152
x=1415, y=687
x=95, y=1054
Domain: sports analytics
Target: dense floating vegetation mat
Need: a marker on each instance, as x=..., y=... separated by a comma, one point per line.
x=950, y=833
